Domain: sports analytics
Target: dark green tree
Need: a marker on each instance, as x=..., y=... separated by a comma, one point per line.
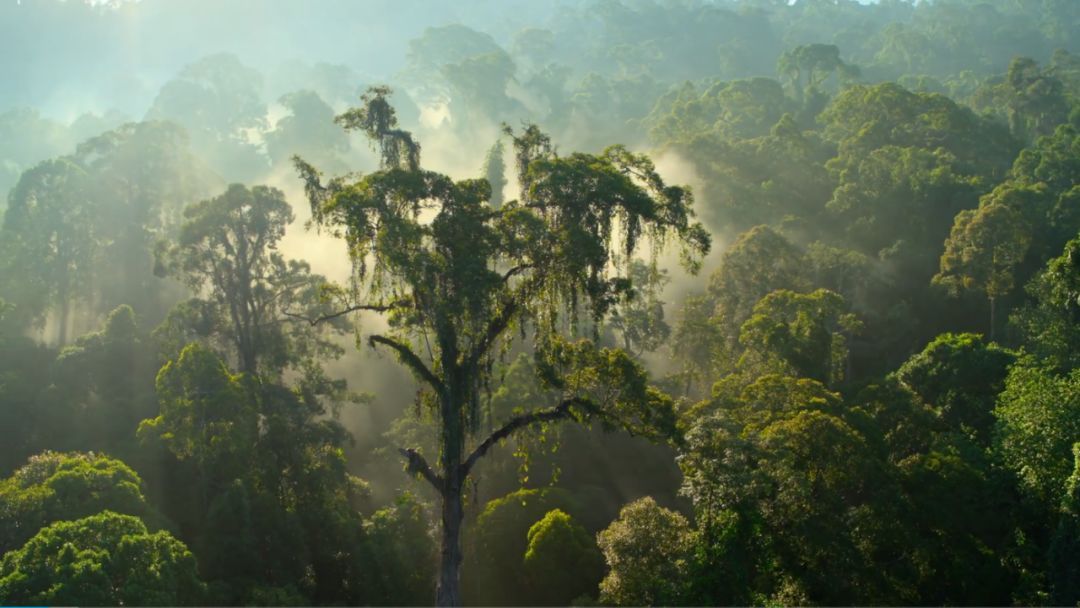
x=959, y=376
x=49, y=228
x=251, y=301
x=400, y=555
x=759, y=262
x=1065, y=545
x=562, y=561
x=804, y=335
x=639, y=322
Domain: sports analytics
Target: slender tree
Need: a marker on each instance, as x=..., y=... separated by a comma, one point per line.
x=456, y=277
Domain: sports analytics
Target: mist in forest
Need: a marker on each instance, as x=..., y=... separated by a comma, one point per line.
x=573, y=302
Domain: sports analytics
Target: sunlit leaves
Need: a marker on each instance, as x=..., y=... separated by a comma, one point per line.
x=647, y=550
x=1038, y=421
x=54, y=486
x=105, y=559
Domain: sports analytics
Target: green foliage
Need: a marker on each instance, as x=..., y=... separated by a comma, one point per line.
x=983, y=252
x=1050, y=169
x=494, y=572
x=103, y=386
x=267, y=491
x=401, y=551
x=25, y=367
x=760, y=262
x=960, y=515
x=864, y=118
x=104, y=559
x=253, y=303
x=1032, y=101
x=1065, y=545
x=695, y=341
x=562, y=561
x=478, y=86
x=817, y=474
x=800, y=334
x=781, y=480
x=731, y=109
x=640, y=321
x=53, y=487
x=1049, y=323
x=460, y=275
x=206, y=414
x=79, y=228
x=47, y=226
x=1019, y=226
x=1038, y=421
x=959, y=376
x=897, y=194
x=647, y=550
x=816, y=62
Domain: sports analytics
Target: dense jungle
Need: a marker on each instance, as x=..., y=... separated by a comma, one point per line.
x=540, y=302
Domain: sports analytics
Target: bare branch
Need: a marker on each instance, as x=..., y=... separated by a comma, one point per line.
x=410, y=360
x=509, y=274
x=418, y=466
x=347, y=310
x=559, y=412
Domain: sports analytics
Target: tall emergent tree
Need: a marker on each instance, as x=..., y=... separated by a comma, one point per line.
x=456, y=277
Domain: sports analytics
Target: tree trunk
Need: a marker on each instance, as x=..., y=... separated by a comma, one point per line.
x=992, y=320
x=448, y=592
x=65, y=315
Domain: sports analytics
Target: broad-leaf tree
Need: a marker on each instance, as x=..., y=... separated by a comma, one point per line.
x=55, y=486
x=648, y=551
x=104, y=559
x=458, y=279
x=227, y=253
x=1051, y=323
x=983, y=251
x=799, y=334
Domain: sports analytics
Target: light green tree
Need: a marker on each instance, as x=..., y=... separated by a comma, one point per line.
x=982, y=252
x=648, y=551
x=104, y=559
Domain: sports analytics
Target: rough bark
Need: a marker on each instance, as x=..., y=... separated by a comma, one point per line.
x=448, y=591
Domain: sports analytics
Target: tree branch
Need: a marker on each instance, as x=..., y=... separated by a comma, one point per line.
x=410, y=360
x=347, y=310
x=494, y=329
x=516, y=423
x=417, y=465
x=516, y=270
